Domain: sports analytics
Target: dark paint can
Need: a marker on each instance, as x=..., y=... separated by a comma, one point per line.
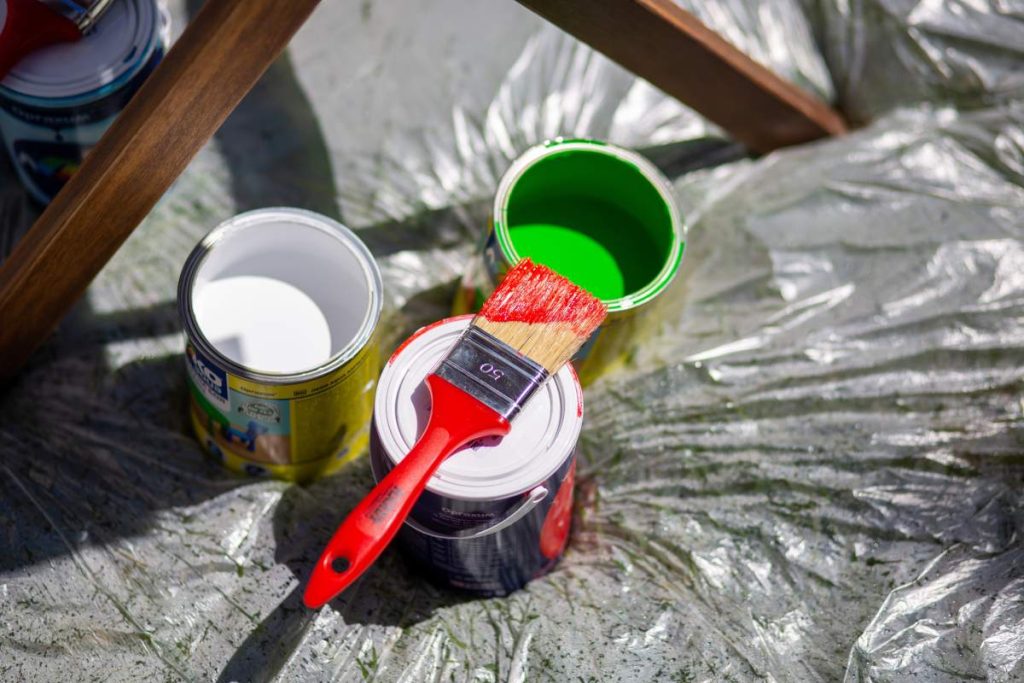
x=497, y=513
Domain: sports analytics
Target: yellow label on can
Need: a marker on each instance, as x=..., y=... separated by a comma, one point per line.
x=291, y=431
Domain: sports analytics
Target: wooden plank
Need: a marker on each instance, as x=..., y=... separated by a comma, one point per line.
x=219, y=57
x=673, y=50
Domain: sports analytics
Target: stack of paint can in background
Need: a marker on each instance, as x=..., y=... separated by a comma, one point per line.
x=279, y=308
x=600, y=215
x=57, y=102
x=497, y=513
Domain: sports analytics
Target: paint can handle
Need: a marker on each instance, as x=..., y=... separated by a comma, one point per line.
x=520, y=510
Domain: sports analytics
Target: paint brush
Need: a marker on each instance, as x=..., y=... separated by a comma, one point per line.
x=29, y=25
x=526, y=331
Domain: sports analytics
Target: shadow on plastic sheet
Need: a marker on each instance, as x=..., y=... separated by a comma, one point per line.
x=449, y=227
x=96, y=456
x=273, y=147
x=390, y=593
x=89, y=454
x=93, y=450
x=679, y=158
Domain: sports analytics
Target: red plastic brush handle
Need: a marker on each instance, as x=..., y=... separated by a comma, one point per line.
x=456, y=418
x=28, y=26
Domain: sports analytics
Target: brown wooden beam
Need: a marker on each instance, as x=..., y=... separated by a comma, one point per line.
x=219, y=57
x=673, y=50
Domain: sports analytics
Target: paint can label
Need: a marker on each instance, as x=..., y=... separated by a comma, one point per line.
x=292, y=431
x=287, y=413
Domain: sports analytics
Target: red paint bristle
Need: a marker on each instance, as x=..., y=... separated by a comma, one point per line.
x=534, y=294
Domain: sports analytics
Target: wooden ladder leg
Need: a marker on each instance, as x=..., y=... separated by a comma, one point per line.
x=671, y=48
x=219, y=57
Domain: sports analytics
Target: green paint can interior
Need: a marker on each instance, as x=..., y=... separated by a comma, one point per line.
x=598, y=214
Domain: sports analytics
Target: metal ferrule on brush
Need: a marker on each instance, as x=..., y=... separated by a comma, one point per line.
x=492, y=372
x=84, y=13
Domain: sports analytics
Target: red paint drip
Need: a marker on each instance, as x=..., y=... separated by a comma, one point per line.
x=534, y=294
x=579, y=389
x=554, y=533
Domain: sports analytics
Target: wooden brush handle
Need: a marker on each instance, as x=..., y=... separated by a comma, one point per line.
x=221, y=54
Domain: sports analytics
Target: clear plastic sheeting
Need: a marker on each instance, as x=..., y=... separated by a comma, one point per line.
x=426, y=110
x=814, y=471
x=890, y=53
x=824, y=450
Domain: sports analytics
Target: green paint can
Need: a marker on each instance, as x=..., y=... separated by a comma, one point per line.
x=601, y=215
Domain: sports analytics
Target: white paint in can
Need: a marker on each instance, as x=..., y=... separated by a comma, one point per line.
x=282, y=298
x=279, y=308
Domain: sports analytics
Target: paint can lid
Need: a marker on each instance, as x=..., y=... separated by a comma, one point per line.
x=543, y=435
x=120, y=43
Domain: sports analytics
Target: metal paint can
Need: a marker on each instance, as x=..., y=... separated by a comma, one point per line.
x=56, y=103
x=279, y=308
x=497, y=513
x=601, y=215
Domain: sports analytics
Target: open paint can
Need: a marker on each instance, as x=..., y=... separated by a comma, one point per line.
x=600, y=215
x=57, y=102
x=279, y=308
x=497, y=513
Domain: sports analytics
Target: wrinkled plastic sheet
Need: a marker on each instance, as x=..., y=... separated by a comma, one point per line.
x=814, y=471
x=890, y=53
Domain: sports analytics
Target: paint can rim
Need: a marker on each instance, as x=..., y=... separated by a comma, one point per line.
x=342, y=234
x=650, y=172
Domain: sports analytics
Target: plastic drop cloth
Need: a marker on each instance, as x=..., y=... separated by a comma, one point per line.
x=814, y=472
x=890, y=53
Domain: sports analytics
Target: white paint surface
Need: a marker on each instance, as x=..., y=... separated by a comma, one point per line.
x=264, y=323
x=284, y=291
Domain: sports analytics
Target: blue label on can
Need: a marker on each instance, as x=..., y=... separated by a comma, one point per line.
x=46, y=165
x=210, y=378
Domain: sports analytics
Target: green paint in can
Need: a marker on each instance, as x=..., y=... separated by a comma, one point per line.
x=594, y=218
x=601, y=215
